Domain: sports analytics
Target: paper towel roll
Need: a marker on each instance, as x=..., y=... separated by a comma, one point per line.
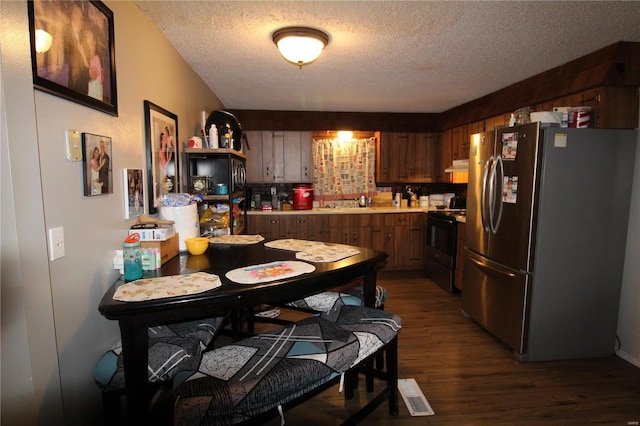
x=185, y=220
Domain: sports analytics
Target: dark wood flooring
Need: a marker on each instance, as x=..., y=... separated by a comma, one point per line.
x=469, y=378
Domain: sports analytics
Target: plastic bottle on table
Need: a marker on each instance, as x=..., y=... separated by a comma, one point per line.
x=132, y=257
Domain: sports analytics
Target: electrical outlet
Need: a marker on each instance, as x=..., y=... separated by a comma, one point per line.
x=73, y=145
x=56, y=243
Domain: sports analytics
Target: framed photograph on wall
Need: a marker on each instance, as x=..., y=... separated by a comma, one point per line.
x=161, y=128
x=96, y=161
x=133, y=192
x=72, y=52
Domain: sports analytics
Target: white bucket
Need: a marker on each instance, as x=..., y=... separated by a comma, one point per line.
x=185, y=220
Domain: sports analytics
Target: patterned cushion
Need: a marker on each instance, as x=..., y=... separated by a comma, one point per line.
x=171, y=348
x=250, y=377
x=326, y=300
x=204, y=330
x=167, y=356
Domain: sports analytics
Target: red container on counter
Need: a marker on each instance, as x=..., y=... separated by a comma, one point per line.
x=302, y=197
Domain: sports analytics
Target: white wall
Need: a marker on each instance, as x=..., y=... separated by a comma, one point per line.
x=629, y=315
x=52, y=332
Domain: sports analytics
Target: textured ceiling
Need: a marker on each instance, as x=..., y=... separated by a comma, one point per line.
x=385, y=56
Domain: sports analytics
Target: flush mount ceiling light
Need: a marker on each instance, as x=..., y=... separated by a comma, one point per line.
x=300, y=45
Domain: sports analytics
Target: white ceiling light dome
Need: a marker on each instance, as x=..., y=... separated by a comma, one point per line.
x=300, y=45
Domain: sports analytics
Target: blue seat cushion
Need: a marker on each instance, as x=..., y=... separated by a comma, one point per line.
x=236, y=382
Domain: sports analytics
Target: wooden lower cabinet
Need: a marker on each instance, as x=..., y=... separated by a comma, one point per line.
x=400, y=235
x=295, y=226
x=409, y=240
x=383, y=237
x=266, y=225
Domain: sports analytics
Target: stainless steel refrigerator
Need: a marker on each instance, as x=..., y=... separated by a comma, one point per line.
x=547, y=213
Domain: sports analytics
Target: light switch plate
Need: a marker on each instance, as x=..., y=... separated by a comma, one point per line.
x=56, y=243
x=74, y=145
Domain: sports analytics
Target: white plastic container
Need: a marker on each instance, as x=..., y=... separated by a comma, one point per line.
x=185, y=220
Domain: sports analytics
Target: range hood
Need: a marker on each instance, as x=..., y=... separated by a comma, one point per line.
x=458, y=166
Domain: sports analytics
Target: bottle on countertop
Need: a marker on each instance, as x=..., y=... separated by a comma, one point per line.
x=397, y=199
x=213, y=137
x=410, y=197
x=362, y=202
x=285, y=204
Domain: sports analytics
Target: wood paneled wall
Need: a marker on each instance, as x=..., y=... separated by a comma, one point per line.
x=328, y=120
x=617, y=65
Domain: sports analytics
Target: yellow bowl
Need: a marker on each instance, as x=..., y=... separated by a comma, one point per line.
x=197, y=245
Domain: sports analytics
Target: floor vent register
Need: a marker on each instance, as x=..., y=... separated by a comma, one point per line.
x=414, y=398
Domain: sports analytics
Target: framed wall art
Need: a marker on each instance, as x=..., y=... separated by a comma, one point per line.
x=133, y=192
x=96, y=161
x=161, y=128
x=72, y=52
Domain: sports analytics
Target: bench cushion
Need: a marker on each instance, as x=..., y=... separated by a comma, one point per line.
x=166, y=357
x=171, y=348
x=326, y=300
x=236, y=382
x=204, y=330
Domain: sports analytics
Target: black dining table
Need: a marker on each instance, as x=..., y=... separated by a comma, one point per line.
x=134, y=318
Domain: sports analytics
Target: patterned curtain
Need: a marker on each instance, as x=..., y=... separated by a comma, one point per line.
x=344, y=169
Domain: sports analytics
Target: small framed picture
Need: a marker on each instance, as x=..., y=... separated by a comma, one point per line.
x=200, y=185
x=96, y=159
x=133, y=192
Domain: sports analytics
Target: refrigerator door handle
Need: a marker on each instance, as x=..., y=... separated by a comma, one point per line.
x=496, y=179
x=483, y=198
x=491, y=195
x=489, y=267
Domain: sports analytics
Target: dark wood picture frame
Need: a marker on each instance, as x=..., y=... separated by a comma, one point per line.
x=96, y=171
x=161, y=132
x=79, y=64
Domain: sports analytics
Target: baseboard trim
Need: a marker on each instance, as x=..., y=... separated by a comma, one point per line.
x=629, y=358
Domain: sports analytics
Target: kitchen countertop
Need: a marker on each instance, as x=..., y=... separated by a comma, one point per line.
x=355, y=210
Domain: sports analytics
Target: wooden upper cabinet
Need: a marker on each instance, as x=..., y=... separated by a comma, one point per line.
x=383, y=156
x=460, y=142
x=407, y=157
x=445, y=159
x=279, y=157
x=427, y=154
x=477, y=127
x=254, y=156
x=612, y=107
x=398, y=165
x=297, y=163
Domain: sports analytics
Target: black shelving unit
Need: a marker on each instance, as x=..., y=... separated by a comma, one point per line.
x=210, y=170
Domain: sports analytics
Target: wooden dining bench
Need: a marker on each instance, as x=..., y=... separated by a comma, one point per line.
x=256, y=378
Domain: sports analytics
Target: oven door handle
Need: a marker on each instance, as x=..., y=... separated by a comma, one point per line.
x=489, y=267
